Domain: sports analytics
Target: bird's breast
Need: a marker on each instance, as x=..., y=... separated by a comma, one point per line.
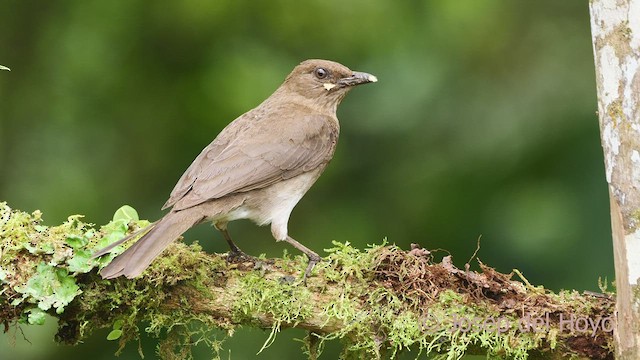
x=273, y=203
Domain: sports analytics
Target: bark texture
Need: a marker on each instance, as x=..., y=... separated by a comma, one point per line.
x=615, y=27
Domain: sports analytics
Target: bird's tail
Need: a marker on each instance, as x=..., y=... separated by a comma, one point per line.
x=159, y=235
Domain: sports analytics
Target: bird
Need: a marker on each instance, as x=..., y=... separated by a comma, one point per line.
x=258, y=167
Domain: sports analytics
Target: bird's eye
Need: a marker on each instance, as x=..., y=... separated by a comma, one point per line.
x=321, y=73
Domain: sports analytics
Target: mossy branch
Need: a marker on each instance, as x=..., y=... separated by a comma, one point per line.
x=378, y=302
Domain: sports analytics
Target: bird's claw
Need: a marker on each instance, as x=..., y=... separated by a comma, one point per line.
x=238, y=256
x=313, y=260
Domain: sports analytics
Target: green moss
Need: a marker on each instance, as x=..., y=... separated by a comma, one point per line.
x=388, y=324
x=46, y=278
x=636, y=217
x=148, y=300
x=49, y=287
x=41, y=265
x=373, y=300
x=614, y=110
x=284, y=302
x=346, y=262
x=446, y=330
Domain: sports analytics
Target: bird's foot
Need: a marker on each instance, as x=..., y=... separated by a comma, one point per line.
x=313, y=257
x=313, y=260
x=238, y=256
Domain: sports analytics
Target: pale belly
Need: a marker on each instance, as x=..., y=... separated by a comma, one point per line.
x=272, y=204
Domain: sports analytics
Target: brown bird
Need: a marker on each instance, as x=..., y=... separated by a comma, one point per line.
x=257, y=168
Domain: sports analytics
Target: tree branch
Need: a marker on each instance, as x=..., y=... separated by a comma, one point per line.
x=377, y=302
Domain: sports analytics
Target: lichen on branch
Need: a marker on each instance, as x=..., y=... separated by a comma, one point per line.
x=378, y=302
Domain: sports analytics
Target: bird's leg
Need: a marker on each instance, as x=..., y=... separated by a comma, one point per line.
x=234, y=248
x=235, y=253
x=313, y=257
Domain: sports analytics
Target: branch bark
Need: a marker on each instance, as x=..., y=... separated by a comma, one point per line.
x=615, y=27
x=378, y=302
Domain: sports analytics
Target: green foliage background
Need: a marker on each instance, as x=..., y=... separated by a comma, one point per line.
x=483, y=123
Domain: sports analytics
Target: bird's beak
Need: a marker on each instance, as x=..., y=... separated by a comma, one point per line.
x=357, y=78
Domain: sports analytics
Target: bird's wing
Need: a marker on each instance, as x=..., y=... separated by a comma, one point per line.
x=204, y=159
x=184, y=185
x=257, y=156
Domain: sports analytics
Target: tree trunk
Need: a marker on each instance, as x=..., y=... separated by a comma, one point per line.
x=615, y=29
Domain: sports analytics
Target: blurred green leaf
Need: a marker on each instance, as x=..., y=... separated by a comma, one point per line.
x=36, y=316
x=50, y=287
x=39, y=247
x=76, y=242
x=17, y=301
x=126, y=213
x=112, y=237
x=114, y=334
x=81, y=261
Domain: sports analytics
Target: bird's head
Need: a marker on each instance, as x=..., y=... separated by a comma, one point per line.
x=325, y=82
